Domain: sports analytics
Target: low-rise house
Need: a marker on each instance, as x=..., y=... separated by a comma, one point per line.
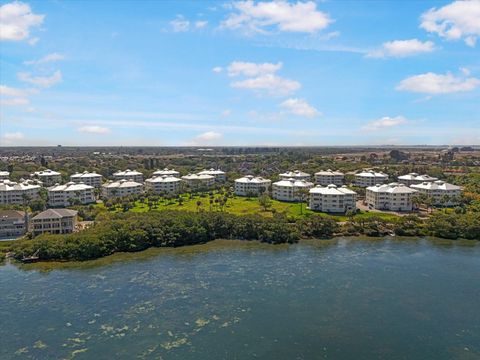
x=13, y=223
x=128, y=174
x=196, y=181
x=414, y=178
x=48, y=177
x=166, y=171
x=393, y=196
x=332, y=199
x=218, y=174
x=92, y=179
x=251, y=185
x=121, y=188
x=164, y=184
x=4, y=175
x=328, y=177
x=441, y=192
x=296, y=174
x=70, y=193
x=18, y=193
x=370, y=178
x=55, y=221
x=291, y=189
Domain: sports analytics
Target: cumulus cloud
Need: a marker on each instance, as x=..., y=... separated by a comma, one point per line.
x=217, y=69
x=46, y=59
x=402, y=48
x=15, y=92
x=200, y=24
x=12, y=137
x=281, y=15
x=180, y=24
x=385, y=122
x=271, y=84
x=457, y=20
x=300, y=107
x=251, y=69
x=431, y=83
x=42, y=81
x=93, y=129
x=206, y=138
x=16, y=19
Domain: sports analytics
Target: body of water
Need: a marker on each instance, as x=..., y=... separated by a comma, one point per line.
x=338, y=299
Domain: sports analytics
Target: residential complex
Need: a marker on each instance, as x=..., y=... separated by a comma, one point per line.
x=13, y=223
x=4, y=175
x=48, y=177
x=121, y=188
x=370, y=178
x=328, y=177
x=55, y=221
x=296, y=174
x=196, y=181
x=92, y=179
x=442, y=193
x=393, y=196
x=18, y=193
x=251, y=185
x=70, y=193
x=414, y=178
x=166, y=171
x=128, y=174
x=332, y=199
x=218, y=174
x=291, y=189
x=164, y=184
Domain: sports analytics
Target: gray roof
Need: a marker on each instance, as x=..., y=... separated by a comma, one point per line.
x=55, y=214
x=12, y=214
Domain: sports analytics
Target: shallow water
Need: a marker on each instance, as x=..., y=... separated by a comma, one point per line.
x=339, y=299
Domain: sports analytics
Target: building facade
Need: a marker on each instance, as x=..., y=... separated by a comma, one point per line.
x=4, y=175
x=164, y=184
x=251, y=185
x=296, y=174
x=414, y=178
x=167, y=172
x=55, y=221
x=370, y=178
x=128, y=174
x=18, y=193
x=442, y=193
x=291, y=190
x=70, y=193
x=196, y=181
x=328, y=177
x=332, y=199
x=393, y=196
x=92, y=179
x=219, y=175
x=121, y=188
x=13, y=223
x=48, y=177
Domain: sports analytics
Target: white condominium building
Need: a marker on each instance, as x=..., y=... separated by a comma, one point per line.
x=218, y=174
x=4, y=175
x=166, y=171
x=296, y=174
x=121, y=188
x=442, y=193
x=290, y=189
x=128, y=174
x=414, y=178
x=18, y=193
x=55, y=221
x=251, y=185
x=70, y=193
x=370, y=178
x=164, y=184
x=393, y=196
x=196, y=181
x=92, y=179
x=329, y=177
x=48, y=177
x=332, y=199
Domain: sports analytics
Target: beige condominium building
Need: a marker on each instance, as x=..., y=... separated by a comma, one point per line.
x=251, y=185
x=164, y=184
x=441, y=192
x=88, y=178
x=13, y=223
x=332, y=199
x=121, y=188
x=4, y=175
x=296, y=174
x=70, y=193
x=166, y=171
x=18, y=193
x=327, y=177
x=55, y=221
x=219, y=175
x=370, y=178
x=414, y=178
x=291, y=189
x=393, y=196
x=128, y=174
x=48, y=177
x=197, y=181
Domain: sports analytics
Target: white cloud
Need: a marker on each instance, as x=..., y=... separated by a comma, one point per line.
x=15, y=92
x=431, y=83
x=206, y=138
x=11, y=138
x=251, y=69
x=457, y=20
x=385, y=122
x=42, y=81
x=46, y=59
x=94, y=129
x=180, y=24
x=16, y=19
x=300, y=107
x=402, y=48
x=226, y=113
x=200, y=24
x=271, y=84
x=217, y=69
x=282, y=15
x=14, y=102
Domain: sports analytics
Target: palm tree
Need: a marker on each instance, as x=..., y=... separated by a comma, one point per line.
x=303, y=196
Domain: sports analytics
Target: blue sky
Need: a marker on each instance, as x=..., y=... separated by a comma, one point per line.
x=239, y=73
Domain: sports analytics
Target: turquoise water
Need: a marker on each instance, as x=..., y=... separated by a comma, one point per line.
x=342, y=299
